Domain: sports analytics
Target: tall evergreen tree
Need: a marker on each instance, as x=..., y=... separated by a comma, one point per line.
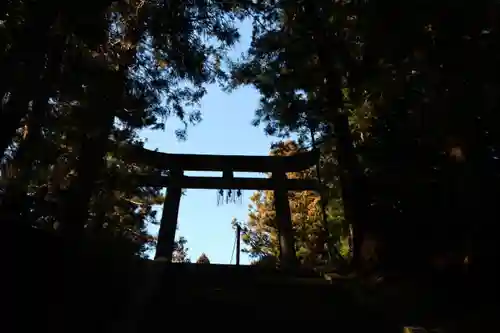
x=260, y=232
x=395, y=89
x=84, y=81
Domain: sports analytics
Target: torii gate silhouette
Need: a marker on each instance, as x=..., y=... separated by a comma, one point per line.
x=176, y=181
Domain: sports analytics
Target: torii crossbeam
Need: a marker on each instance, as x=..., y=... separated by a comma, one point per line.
x=176, y=181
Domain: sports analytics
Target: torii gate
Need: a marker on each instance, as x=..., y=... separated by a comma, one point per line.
x=176, y=181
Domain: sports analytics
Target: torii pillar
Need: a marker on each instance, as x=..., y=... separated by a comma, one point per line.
x=288, y=258
x=168, y=226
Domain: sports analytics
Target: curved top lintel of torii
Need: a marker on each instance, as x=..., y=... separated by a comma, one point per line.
x=237, y=163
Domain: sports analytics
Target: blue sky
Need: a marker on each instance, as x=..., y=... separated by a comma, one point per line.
x=226, y=129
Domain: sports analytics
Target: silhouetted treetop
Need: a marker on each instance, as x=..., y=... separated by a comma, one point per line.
x=203, y=259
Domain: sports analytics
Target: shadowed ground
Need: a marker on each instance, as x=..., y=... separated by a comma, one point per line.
x=62, y=292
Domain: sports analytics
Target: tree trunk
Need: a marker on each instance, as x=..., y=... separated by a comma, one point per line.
x=89, y=165
x=28, y=151
x=353, y=186
x=29, y=51
x=102, y=110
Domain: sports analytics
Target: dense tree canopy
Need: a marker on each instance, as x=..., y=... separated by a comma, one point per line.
x=401, y=98
x=78, y=83
x=405, y=94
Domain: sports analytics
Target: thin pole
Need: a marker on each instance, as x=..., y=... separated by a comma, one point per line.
x=238, y=237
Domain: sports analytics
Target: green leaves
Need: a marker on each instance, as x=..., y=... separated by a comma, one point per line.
x=260, y=233
x=122, y=67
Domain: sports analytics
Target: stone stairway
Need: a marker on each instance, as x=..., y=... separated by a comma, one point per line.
x=245, y=294
x=61, y=291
